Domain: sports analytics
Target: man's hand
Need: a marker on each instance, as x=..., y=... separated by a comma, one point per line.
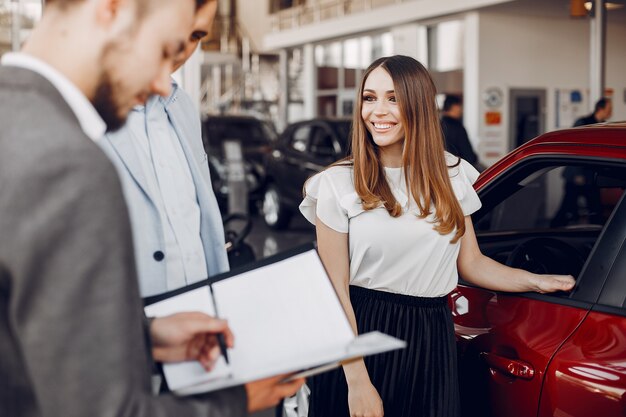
x=188, y=336
x=266, y=393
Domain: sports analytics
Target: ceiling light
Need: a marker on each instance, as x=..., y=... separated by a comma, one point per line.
x=608, y=5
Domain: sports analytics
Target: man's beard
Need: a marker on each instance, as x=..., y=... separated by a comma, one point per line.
x=105, y=104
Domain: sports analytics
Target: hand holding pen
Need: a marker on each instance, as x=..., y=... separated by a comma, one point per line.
x=190, y=336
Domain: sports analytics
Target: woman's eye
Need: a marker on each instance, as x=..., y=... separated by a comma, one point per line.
x=369, y=98
x=392, y=99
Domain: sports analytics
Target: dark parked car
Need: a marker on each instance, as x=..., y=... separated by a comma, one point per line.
x=555, y=205
x=302, y=150
x=256, y=137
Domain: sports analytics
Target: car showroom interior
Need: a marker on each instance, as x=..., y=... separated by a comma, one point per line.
x=170, y=150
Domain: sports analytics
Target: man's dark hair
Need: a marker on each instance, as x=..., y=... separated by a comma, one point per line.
x=451, y=100
x=601, y=104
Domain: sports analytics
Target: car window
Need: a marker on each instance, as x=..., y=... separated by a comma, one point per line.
x=250, y=133
x=342, y=131
x=566, y=196
x=546, y=217
x=300, y=138
x=270, y=131
x=322, y=143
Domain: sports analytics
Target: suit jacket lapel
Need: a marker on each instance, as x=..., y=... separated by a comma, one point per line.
x=124, y=147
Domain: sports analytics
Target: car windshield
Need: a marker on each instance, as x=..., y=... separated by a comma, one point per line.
x=342, y=129
x=250, y=133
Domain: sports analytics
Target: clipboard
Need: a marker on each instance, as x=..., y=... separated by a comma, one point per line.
x=285, y=315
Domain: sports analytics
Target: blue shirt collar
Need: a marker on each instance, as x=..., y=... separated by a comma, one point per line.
x=164, y=101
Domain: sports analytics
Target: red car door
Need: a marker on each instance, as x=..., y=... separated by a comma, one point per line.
x=587, y=377
x=506, y=342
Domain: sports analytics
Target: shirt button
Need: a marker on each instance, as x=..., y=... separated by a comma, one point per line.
x=158, y=256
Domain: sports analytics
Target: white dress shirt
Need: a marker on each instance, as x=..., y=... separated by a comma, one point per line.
x=172, y=189
x=90, y=121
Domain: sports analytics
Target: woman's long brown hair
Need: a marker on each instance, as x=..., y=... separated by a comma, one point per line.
x=423, y=158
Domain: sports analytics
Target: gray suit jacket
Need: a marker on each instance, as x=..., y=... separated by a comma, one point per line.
x=72, y=338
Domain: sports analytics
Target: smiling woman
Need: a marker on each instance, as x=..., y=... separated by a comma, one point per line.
x=392, y=223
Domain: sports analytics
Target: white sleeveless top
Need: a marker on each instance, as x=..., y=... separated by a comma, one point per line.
x=404, y=254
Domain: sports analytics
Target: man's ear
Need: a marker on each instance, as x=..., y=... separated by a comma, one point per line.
x=116, y=17
x=108, y=10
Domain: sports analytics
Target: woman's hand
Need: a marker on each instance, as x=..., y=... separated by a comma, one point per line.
x=484, y=272
x=551, y=283
x=188, y=336
x=364, y=401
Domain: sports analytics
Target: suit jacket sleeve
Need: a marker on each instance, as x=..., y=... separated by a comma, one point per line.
x=74, y=302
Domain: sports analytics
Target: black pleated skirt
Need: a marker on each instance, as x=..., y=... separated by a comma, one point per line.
x=420, y=380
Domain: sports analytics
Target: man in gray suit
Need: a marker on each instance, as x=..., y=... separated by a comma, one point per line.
x=73, y=338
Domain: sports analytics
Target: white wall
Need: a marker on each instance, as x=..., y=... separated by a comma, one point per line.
x=254, y=17
x=518, y=51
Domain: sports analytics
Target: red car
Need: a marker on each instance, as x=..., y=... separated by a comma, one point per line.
x=555, y=205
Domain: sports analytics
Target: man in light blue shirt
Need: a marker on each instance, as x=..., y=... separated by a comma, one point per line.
x=177, y=226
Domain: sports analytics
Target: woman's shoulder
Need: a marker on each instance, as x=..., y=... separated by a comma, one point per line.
x=459, y=168
x=340, y=170
x=339, y=175
x=462, y=177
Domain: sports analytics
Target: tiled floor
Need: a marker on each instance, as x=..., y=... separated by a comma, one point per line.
x=266, y=242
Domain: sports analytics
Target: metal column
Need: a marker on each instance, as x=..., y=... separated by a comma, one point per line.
x=597, y=67
x=283, y=94
x=309, y=90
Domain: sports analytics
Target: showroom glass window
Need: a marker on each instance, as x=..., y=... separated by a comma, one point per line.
x=17, y=19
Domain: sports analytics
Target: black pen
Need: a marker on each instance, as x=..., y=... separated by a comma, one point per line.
x=220, y=336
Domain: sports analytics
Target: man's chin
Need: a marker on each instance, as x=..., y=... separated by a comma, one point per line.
x=108, y=104
x=114, y=123
x=113, y=117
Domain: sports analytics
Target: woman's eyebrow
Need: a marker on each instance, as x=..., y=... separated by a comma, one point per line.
x=367, y=90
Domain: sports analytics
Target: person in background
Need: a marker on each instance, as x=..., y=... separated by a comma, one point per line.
x=394, y=232
x=456, y=139
x=602, y=112
x=579, y=181
x=74, y=341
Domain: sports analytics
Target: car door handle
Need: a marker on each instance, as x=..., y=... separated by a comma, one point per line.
x=512, y=367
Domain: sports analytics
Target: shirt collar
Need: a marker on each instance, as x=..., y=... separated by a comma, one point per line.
x=90, y=121
x=164, y=101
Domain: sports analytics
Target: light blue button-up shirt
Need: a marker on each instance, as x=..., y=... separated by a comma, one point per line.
x=173, y=191
x=177, y=226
